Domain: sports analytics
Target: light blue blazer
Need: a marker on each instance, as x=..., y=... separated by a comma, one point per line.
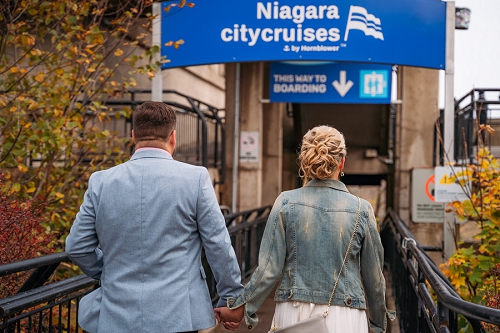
x=141, y=230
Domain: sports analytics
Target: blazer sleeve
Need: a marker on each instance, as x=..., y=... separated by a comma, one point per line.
x=82, y=242
x=216, y=242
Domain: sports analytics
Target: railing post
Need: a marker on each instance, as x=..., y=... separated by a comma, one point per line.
x=444, y=315
x=204, y=136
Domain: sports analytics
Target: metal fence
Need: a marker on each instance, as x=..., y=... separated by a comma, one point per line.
x=53, y=307
x=479, y=106
x=200, y=131
x=425, y=300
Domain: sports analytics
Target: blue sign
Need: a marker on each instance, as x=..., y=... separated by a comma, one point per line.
x=404, y=32
x=330, y=83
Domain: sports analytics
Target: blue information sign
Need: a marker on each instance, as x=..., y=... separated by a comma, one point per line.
x=330, y=83
x=404, y=32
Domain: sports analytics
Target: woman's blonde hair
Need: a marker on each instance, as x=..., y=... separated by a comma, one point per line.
x=321, y=152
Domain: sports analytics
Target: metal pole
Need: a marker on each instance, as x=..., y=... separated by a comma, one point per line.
x=449, y=121
x=157, y=82
x=236, y=137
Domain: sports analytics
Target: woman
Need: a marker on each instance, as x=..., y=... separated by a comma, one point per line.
x=304, y=244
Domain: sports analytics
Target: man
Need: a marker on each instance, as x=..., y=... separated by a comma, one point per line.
x=140, y=231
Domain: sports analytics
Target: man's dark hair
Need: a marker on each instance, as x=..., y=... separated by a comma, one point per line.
x=153, y=121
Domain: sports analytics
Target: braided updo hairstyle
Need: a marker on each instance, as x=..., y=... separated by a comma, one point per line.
x=321, y=152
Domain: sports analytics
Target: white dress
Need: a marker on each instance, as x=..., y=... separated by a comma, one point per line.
x=340, y=319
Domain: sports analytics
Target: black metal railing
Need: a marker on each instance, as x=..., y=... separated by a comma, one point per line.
x=200, y=134
x=479, y=106
x=415, y=279
x=53, y=307
x=40, y=307
x=245, y=229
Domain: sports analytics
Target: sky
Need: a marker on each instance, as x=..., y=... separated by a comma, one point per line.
x=477, y=50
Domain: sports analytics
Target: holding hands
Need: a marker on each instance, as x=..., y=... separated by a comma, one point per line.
x=231, y=319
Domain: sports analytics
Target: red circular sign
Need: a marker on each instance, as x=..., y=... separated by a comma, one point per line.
x=430, y=182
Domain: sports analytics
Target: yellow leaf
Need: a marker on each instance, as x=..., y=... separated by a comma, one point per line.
x=182, y=3
x=21, y=167
x=14, y=69
x=59, y=195
x=39, y=77
x=33, y=105
x=16, y=187
x=118, y=52
x=31, y=190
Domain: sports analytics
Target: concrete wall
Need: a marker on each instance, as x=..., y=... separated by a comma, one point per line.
x=418, y=89
x=258, y=183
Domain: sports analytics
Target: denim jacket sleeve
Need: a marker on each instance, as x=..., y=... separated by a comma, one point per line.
x=372, y=259
x=266, y=275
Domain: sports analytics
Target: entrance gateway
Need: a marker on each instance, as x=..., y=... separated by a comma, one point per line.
x=353, y=46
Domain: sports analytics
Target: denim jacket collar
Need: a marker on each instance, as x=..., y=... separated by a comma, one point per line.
x=335, y=184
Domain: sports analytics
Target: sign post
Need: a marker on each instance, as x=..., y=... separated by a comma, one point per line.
x=424, y=206
x=157, y=81
x=249, y=147
x=449, y=120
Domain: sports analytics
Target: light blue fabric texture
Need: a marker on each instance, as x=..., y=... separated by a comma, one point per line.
x=304, y=244
x=141, y=230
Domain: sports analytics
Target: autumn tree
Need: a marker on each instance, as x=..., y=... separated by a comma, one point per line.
x=474, y=269
x=58, y=65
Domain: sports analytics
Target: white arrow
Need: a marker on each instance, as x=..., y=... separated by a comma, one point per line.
x=342, y=87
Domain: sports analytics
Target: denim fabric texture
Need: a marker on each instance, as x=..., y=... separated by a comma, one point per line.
x=304, y=244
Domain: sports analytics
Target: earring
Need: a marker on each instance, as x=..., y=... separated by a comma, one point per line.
x=341, y=173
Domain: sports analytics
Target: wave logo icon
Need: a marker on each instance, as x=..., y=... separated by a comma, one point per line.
x=360, y=19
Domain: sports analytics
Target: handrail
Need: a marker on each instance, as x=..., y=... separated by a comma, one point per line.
x=452, y=302
x=28, y=264
x=244, y=216
x=415, y=271
x=471, y=110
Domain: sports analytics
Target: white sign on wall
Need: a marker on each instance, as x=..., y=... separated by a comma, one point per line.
x=249, y=147
x=447, y=191
x=424, y=208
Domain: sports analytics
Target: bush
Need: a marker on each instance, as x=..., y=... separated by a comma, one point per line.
x=21, y=237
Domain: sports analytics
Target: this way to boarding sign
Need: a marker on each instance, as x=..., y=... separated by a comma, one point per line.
x=303, y=82
x=404, y=32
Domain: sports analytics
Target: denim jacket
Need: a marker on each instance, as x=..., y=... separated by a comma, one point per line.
x=303, y=247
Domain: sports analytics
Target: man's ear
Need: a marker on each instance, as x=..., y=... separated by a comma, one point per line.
x=172, y=139
x=133, y=136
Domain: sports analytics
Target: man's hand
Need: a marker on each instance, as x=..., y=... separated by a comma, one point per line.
x=231, y=319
